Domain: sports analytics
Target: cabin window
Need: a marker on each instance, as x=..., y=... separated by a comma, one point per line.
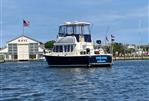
x=56, y=49
x=65, y=48
x=68, y=48
x=71, y=48
x=60, y=49
x=70, y=30
x=74, y=29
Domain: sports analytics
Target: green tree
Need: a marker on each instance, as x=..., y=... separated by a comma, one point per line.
x=118, y=47
x=107, y=49
x=144, y=47
x=130, y=50
x=49, y=44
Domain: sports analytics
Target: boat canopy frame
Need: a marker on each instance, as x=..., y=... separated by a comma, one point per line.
x=74, y=28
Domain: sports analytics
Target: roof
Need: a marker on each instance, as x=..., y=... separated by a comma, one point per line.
x=75, y=23
x=4, y=50
x=68, y=39
x=24, y=36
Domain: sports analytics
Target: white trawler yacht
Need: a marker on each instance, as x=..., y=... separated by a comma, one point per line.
x=74, y=47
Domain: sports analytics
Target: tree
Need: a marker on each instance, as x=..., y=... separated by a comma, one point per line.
x=131, y=50
x=118, y=47
x=107, y=49
x=145, y=47
x=49, y=44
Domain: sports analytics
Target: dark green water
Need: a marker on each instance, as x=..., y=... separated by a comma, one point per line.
x=35, y=81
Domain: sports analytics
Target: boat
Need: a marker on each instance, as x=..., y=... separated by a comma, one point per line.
x=74, y=47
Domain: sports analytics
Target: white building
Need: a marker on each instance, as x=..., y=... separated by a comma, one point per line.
x=131, y=46
x=23, y=48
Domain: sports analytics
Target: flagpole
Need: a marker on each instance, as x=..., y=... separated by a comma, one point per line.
x=23, y=26
x=105, y=41
x=107, y=31
x=111, y=45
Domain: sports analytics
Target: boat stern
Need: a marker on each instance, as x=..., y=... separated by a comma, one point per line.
x=101, y=60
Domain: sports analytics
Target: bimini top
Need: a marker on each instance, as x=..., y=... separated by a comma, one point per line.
x=75, y=23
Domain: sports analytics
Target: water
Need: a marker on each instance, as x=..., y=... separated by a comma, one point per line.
x=35, y=81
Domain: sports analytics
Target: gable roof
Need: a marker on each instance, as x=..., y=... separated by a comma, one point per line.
x=26, y=37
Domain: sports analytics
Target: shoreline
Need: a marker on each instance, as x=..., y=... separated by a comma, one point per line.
x=114, y=59
x=131, y=58
x=2, y=61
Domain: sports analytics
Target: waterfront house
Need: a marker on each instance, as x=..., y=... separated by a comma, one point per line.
x=23, y=48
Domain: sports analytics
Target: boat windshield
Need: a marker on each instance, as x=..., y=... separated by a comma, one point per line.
x=73, y=29
x=63, y=48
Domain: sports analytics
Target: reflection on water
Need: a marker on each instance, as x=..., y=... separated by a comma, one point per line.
x=35, y=81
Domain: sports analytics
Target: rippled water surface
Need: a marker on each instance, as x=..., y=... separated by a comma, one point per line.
x=35, y=81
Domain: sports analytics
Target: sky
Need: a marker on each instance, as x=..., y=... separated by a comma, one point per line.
x=127, y=20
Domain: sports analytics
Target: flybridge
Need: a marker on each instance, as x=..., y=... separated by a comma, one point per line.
x=77, y=29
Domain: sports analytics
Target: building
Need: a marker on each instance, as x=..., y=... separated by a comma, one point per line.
x=23, y=48
x=131, y=46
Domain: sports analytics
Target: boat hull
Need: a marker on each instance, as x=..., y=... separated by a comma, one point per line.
x=77, y=61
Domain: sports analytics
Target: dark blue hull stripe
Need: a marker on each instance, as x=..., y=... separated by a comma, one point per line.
x=96, y=60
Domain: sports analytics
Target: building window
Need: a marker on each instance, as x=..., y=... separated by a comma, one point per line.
x=33, y=48
x=12, y=49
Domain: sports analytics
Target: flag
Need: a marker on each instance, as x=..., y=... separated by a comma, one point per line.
x=26, y=23
x=112, y=40
x=112, y=36
x=107, y=38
